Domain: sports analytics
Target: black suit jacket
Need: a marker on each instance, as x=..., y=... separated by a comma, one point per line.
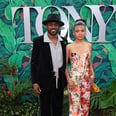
x=42, y=67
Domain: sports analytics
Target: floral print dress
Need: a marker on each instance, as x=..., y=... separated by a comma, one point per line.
x=79, y=96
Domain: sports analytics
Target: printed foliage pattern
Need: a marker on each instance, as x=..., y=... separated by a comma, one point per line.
x=14, y=53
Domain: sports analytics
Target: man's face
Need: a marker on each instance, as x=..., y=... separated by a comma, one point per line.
x=53, y=28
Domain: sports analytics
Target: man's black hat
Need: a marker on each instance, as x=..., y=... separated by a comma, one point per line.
x=53, y=18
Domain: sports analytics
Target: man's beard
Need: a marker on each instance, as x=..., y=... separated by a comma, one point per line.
x=53, y=32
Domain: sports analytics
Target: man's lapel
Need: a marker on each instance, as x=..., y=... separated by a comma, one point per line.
x=47, y=54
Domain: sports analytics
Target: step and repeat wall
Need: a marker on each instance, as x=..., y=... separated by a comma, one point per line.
x=21, y=22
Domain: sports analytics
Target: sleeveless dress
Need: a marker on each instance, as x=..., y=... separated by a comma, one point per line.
x=79, y=96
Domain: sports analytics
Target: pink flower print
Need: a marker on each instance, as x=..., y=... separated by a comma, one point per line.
x=24, y=64
x=21, y=15
x=73, y=54
x=95, y=64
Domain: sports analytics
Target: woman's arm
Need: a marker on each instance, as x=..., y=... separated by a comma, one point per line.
x=71, y=84
x=67, y=58
x=91, y=66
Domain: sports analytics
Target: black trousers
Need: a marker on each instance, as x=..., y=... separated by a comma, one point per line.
x=51, y=102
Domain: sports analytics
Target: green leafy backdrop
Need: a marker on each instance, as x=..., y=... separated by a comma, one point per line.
x=13, y=53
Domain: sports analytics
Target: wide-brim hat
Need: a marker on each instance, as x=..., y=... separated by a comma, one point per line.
x=53, y=18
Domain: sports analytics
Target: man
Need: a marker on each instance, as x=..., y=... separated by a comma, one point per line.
x=48, y=67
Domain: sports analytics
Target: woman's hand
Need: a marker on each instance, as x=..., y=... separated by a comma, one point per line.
x=92, y=79
x=71, y=84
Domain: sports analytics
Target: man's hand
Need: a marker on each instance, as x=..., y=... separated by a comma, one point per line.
x=36, y=88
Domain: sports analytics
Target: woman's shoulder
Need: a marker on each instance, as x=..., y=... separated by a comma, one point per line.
x=69, y=44
x=88, y=45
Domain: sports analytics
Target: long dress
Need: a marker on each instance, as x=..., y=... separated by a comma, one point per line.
x=79, y=96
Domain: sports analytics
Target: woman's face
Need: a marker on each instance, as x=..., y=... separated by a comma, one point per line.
x=79, y=32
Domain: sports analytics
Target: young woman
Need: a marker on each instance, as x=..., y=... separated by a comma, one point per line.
x=80, y=76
